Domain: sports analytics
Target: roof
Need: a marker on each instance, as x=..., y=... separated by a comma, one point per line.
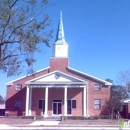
x=10, y=83
x=90, y=76
x=71, y=69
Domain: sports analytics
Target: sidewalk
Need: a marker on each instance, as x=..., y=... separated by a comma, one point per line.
x=66, y=123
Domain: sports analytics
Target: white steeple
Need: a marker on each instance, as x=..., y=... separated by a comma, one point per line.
x=60, y=47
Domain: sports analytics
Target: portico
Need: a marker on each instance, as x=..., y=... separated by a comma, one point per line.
x=58, y=82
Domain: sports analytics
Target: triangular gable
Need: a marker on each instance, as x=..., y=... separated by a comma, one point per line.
x=56, y=77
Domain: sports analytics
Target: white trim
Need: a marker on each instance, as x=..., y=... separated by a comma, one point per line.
x=63, y=83
x=106, y=83
x=65, y=101
x=87, y=102
x=30, y=101
x=11, y=82
x=18, y=87
x=2, y=106
x=126, y=100
x=59, y=57
x=46, y=102
x=54, y=73
x=84, y=101
x=27, y=101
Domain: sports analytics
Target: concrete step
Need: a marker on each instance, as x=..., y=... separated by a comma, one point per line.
x=52, y=118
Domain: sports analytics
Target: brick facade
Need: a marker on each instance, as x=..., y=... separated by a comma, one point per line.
x=60, y=64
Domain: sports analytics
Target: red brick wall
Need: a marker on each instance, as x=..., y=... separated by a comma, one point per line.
x=12, y=94
x=37, y=93
x=103, y=94
x=76, y=94
x=60, y=64
x=57, y=94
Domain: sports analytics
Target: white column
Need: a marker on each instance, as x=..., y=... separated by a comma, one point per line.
x=84, y=99
x=30, y=101
x=65, y=101
x=27, y=101
x=87, y=101
x=46, y=102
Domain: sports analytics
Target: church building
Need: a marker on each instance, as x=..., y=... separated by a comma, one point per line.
x=57, y=89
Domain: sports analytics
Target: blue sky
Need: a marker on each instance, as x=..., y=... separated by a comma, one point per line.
x=98, y=34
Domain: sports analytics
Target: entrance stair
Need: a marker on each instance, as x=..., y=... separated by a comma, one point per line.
x=52, y=118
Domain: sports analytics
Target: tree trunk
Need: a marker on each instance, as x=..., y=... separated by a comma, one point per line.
x=112, y=114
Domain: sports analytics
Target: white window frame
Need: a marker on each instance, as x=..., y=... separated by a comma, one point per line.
x=18, y=87
x=97, y=87
x=97, y=104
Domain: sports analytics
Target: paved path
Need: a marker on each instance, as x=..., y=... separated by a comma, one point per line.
x=3, y=126
x=60, y=128
x=18, y=123
x=45, y=123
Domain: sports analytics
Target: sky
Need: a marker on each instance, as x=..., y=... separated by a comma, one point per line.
x=98, y=35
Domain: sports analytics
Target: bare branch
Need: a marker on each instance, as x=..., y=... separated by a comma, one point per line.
x=6, y=42
x=9, y=55
x=13, y=4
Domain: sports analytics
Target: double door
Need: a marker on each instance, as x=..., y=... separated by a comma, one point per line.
x=57, y=107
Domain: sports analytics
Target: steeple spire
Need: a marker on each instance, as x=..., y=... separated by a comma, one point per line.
x=60, y=38
x=60, y=47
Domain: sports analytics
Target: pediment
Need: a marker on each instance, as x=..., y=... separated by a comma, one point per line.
x=55, y=77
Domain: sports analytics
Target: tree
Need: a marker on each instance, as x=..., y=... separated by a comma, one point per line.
x=23, y=26
x=118, y=93
x=2, y=101
x=115, y=103
x=123, y=79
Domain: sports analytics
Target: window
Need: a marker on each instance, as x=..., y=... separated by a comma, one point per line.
x=41, y=104
x=96, y=87
x=18, y=87
x=17, y=104
x=73, y=103
x=97, y=103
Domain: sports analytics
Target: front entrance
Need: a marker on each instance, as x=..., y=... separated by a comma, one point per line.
x=57, y=107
